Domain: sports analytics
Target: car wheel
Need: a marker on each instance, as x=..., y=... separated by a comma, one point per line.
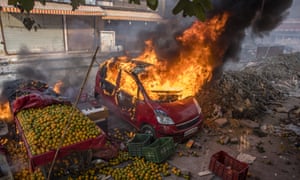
x=148, y=129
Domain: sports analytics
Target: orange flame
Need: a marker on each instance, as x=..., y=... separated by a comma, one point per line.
x=57, y=86
x=199, y=56
x=5, y=112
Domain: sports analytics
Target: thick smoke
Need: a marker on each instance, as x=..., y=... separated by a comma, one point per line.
x=69, y=71
x=164, y=35
x=27, y=72
x=260, y=16
x=164, y=38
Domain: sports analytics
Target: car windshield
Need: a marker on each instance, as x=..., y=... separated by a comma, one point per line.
x=156, y=91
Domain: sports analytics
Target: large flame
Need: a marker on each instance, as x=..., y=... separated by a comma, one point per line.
x=199, y=56
x=5, y=112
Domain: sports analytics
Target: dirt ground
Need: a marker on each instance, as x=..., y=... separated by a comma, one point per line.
x=276, y=157
x=260, y=104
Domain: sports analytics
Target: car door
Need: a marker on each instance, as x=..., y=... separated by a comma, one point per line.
x=108, y=86
x=126, y=95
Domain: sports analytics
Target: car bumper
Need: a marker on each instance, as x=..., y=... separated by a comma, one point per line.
x=180, y=134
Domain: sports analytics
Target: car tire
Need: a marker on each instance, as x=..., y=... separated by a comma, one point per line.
x=148, y=129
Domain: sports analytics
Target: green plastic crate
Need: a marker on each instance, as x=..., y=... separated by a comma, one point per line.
x=137, y=143
x=159, y=150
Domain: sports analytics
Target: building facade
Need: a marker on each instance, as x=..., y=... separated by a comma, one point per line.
x=56, y=28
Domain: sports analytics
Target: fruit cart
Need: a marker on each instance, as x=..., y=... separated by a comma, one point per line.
x=38, y=118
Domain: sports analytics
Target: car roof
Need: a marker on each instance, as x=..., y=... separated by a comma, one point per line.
x=134, y=66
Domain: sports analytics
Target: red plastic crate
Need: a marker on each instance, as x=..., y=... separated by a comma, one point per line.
x=227, y=167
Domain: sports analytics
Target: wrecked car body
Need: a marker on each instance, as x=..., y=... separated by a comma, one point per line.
x=119, y=85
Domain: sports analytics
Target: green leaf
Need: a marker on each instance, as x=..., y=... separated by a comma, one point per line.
x=180, y=6
x=206, y=4
x=12, y=2
x=152, y=4
x=27, y=5
x=195, y=8
x=200, y=7
x=76, y=3
x=199, y=13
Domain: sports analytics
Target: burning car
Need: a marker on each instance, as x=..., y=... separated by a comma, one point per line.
x=127, y=87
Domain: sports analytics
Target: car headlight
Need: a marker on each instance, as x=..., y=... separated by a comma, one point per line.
x=197, y=105
x=163, y=118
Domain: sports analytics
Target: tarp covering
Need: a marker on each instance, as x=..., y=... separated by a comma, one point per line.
x=35, y=100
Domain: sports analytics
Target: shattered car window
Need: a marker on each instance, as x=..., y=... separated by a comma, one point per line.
x=154, y=91
x=128, y=84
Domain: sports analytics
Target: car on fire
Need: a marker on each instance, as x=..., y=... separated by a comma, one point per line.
x=120, y=85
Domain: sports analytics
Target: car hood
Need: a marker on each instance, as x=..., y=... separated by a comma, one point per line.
x=181, y=110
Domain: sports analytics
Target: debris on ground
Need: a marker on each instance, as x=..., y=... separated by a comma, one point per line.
x=204, y=173
x=247, y=158
x=247, y=93
x=234, y=107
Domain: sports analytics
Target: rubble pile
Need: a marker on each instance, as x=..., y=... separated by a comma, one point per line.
x=283, y=71
x=238, y=94
x=247, y=93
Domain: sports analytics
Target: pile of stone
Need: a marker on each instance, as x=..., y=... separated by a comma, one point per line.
x=283, y=71
x=247, y=93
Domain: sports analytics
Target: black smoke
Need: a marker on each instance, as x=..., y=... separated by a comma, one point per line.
x=27, y=72
x=257, y=16
x=164, y=37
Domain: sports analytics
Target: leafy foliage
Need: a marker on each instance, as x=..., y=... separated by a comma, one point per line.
x=76, y=3
x=152, y=4
x=23, y=5
x=195, y=8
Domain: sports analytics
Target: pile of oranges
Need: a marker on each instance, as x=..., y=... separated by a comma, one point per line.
x=44, y=127
x=125, y=167
x=18, y=160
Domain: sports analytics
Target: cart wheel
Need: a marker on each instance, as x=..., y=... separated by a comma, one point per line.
x=148, y=129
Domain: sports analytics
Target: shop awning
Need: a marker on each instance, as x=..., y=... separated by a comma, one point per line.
x=131, y=16
x=56, y=9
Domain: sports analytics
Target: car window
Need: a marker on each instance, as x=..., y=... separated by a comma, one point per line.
x=107, y=84
x=128, y=84
x=155, y=91
x=111, y=73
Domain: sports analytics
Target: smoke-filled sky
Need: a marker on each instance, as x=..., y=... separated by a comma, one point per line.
x=260, y=16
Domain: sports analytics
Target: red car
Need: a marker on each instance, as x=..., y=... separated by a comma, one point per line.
x=119, y=85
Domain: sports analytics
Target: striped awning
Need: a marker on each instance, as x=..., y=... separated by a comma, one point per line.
x=56, y=9
x=131, y=16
